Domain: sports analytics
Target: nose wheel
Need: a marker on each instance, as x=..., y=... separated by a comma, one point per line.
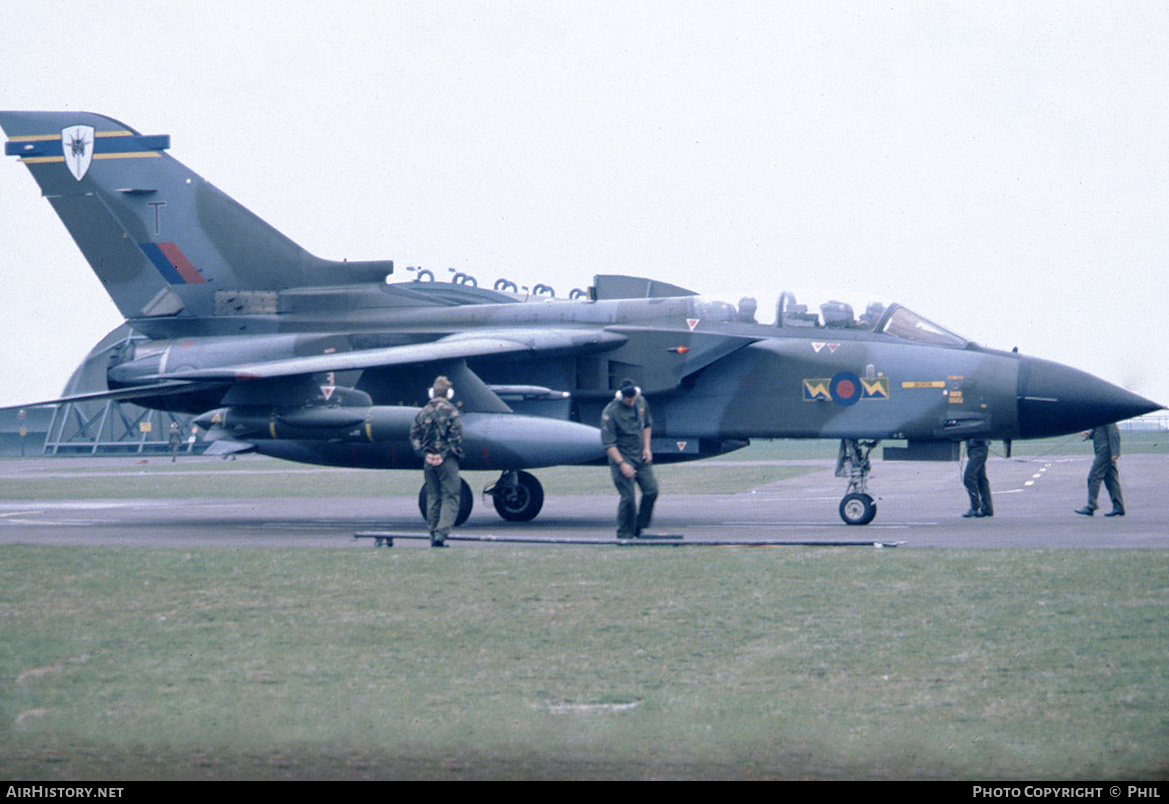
x=858, y=509
x=858, y=506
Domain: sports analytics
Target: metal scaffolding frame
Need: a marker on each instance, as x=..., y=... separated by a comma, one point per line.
x=111, y=426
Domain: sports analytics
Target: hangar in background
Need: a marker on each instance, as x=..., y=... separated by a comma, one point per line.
x=103, y=427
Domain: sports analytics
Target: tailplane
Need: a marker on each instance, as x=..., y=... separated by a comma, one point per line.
x=162, y=240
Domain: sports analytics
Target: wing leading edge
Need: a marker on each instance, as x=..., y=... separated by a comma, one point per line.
x=451, y=348
x=454, y=347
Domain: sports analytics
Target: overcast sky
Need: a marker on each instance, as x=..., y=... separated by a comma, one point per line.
x=1002, y=168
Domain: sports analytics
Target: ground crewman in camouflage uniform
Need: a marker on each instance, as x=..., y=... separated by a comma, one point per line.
x=175, y=439
x=1106, y=442
x=975, y=480
x=437, y=438
x=626, y=427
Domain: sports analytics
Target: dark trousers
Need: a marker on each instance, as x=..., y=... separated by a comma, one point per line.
x=1104, y=469
x=632, y=520
x=443, y=490
x=975, y=480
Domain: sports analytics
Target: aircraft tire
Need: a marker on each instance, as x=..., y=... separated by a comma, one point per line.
x=521, y=502
x=466, y=502
x=857, y=509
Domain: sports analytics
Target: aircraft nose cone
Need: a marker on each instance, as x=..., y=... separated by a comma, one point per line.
x=1055, y=399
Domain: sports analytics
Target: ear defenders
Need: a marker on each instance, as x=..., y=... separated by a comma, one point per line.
x=450, y=393
x=636, y=392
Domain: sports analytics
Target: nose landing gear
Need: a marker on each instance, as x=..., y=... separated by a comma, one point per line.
x=858, y=506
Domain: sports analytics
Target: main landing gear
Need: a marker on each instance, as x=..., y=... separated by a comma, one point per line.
x=858, y=506
x=466, y=502
x=517, y=496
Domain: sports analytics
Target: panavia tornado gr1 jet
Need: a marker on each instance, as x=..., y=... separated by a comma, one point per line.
x=282, y=353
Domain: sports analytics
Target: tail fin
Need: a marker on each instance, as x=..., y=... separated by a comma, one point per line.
x=163, y=241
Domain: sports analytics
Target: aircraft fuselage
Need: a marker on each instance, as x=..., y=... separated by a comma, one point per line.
x=720, y=381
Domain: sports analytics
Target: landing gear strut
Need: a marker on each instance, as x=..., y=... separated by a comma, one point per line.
x=858, y=506
x=517, y=496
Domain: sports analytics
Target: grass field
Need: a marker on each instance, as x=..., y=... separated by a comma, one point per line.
x=522, y=662
x=529, y=662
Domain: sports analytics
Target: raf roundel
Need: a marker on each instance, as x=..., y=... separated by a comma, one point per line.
x=845, y=388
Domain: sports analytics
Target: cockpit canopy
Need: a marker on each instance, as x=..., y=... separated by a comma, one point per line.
x=805, y=311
